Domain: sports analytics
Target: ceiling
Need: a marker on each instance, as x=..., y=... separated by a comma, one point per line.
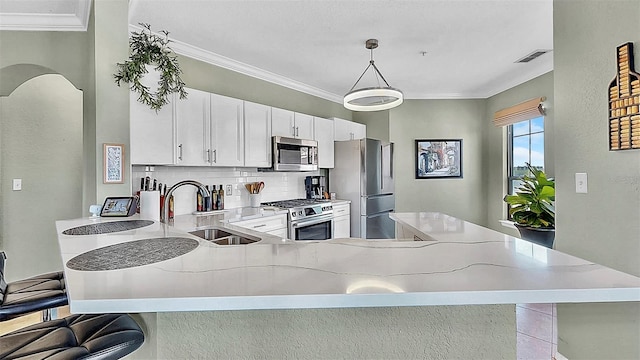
x=430, y=49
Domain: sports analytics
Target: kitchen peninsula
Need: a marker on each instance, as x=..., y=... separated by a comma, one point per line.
x=452, y=295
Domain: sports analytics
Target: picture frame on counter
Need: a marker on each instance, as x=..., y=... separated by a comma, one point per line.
x=438, y=158
x=113, y=163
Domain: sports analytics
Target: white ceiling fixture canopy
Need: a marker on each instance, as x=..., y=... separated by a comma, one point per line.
x=374, y=98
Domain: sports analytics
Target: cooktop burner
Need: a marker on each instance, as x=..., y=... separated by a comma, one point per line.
x=286, y=204
x=300, y=209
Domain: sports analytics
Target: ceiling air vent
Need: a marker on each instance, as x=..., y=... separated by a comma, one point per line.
x=532, y=56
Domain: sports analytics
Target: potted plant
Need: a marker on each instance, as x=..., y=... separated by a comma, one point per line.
x=532, y=207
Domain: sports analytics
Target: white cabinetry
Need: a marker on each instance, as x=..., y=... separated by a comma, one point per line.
x=348, y=130
x=257, y=135
x=192, y=129
x=291, y=124
x=323, y=134
x=227, y=131
x=151, y=138
x=341, y=221
x=274, y=225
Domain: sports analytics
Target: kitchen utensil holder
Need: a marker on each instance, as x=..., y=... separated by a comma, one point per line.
x=150, y=205
x=255, y=199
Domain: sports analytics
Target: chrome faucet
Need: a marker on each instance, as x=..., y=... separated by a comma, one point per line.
x=165, y=213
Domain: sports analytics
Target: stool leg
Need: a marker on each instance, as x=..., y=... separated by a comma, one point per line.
x=49, y=314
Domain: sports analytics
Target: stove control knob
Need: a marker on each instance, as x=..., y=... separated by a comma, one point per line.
x=300, y=212
x=293, y=214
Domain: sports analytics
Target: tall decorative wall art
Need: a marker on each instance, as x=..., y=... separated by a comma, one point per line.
x=624, y=103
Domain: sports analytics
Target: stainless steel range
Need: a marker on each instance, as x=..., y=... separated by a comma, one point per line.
x=309, y=219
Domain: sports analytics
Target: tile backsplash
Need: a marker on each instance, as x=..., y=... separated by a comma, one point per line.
x=278, y=185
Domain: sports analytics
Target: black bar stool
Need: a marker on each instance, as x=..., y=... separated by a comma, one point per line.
x=41, y=292
x=94, y=336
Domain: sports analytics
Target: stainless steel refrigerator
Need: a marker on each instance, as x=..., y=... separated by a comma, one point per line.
x=363, y=173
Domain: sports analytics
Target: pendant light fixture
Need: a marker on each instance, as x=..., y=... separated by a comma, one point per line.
x=373, y=98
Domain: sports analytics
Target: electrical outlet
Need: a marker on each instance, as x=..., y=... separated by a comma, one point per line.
x=228, y=190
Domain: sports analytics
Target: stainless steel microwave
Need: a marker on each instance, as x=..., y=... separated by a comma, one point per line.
x=291, y=154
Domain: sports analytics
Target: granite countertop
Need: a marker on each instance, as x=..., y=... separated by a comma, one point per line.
x=466, y=264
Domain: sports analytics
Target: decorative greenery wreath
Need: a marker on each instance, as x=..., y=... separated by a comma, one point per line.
x=150, y=49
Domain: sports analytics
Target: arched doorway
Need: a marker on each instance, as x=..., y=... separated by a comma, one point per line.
x=41, y=141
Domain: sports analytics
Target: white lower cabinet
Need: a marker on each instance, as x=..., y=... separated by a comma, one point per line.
x=274, y=225
x=341, y=221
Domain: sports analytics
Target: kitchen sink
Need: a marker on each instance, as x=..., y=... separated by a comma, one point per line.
x=224, y=237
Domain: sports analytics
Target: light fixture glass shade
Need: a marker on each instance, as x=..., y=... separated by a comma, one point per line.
x=373, y=99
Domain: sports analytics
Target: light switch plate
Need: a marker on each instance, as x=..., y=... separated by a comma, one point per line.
x=17, y=184
x=581, y=183
x=228, y=191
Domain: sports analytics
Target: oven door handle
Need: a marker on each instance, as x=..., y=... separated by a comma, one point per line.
x=316, y=220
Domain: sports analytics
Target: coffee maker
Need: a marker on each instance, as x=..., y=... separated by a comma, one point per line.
x=315, y=187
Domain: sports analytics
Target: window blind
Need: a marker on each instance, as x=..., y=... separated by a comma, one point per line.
x=523, y=111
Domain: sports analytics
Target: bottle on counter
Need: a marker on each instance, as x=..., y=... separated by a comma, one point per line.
x=214, y=198
x=221, y=198
x=171, y=207
x=207, y=201
x=199, y=201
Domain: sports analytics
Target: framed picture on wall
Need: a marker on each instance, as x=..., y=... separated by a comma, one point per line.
x=438, y=158
x=113, y=163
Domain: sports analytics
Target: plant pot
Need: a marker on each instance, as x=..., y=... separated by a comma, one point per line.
x=540, y=236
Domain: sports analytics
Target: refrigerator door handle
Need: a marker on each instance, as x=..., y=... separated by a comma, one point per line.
x=381, y=167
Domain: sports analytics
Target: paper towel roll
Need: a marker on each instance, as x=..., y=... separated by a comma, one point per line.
x=150, y=205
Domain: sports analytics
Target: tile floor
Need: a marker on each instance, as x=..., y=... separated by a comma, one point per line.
x=536, y=331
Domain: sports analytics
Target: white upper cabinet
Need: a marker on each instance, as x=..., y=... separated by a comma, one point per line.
x=348, y=130
x=282, y=123
x=151, y=135
x=257, y=135
x=304, y=126
x=227, y=131
x=291, y=124
x=323, y=134
x=192, y=129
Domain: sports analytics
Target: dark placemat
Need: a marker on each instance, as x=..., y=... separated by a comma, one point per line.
x=131, y=254
x=108, y=227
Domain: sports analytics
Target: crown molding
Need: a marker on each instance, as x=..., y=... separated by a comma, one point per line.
x=209, y=57
x=78, y=21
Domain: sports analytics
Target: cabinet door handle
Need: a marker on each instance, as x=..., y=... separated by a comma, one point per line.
x=293, y=128
x=261, y=225
x=215, y=156
x=297, y=134
x=180, y=152
x=208, y=155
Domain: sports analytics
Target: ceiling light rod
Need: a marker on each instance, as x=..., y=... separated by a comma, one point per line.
x=371, y=44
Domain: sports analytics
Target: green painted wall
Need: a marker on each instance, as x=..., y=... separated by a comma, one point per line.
x=202, y=76
x=494, y=152
x=41, y=137
x=440, y=119
x=604, y=225
x=377, y=123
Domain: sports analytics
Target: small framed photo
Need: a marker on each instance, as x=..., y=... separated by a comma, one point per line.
x=438, y=158
x=113, y=163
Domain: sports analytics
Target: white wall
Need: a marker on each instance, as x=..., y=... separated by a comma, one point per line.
x=603, y=225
